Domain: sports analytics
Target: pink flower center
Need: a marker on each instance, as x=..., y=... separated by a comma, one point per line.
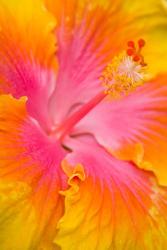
x=121, y=76
x=66, y=127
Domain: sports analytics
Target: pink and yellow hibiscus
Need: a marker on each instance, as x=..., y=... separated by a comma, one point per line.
x=83, y=125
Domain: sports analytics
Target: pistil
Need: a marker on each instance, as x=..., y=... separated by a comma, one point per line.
x=70, y=122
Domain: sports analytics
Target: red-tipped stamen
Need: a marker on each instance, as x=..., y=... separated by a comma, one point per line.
x=136, y=53
x=136, y=58
x=130, y=52
x=141, y=43
x=131, y=44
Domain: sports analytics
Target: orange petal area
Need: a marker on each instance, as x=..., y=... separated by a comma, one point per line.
x=30, y=180
x=27, y=62
x=27, y=42
x=75, y=176
x=110, y=204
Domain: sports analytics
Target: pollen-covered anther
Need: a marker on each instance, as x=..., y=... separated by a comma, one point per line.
x=126, y=72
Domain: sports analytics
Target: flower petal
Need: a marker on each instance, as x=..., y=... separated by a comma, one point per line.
x=134, y=128
x=26, y=53
x=90, y=33
x=30, y=179
x=110, y=204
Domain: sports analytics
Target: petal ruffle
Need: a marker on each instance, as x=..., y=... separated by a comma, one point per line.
x=135, y=127
x=30, y=179
x=26, y=54
x=110, y=204
x=90, y=33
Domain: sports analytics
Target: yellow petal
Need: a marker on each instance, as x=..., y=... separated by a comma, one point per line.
x=112, y=23
x=110, y=204
x=30, y=180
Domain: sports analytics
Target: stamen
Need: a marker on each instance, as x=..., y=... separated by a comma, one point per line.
x=131, y=44
x=136, y=58
x=141, y=43
x=126, y=71
x=130, y=52
x=136, y=53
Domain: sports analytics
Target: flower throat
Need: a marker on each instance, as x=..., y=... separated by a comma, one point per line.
x=123, y=75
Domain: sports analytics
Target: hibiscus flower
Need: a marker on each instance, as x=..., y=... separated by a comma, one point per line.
x=83, y=125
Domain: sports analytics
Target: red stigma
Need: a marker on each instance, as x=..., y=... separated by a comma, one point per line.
x=131, y=44
x=136, y=58
x=130, y=52
x=136, y=53
x=141, y=43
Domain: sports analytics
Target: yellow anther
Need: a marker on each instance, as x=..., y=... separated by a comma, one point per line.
x=123, y=75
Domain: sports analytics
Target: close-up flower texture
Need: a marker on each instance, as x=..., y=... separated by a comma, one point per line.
x=83, y=125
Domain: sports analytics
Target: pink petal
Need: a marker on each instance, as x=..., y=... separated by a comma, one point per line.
x=90, y=34
x=84, y=47
x=30, y=179
x=140, y=118
x=110, y=204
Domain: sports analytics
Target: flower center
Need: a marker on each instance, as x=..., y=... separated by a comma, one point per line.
x=120, y=77
x=126, y=71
